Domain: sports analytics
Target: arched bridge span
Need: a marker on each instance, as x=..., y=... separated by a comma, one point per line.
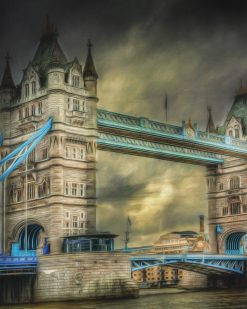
x=204, y=264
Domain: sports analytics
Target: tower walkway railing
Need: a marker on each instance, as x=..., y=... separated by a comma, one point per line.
x=121, y=132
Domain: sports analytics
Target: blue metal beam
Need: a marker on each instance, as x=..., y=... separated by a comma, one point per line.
x=18, y=265
x=144, y=148
x=211, y=264
x=19, y=155
x=140, y=128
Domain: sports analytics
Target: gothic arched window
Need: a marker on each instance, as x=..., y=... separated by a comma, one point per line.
x=230, y=133
x=235, y=205
x=234, y=183
x=236, y=132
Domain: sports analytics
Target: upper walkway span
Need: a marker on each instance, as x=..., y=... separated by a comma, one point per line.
x=144, y=137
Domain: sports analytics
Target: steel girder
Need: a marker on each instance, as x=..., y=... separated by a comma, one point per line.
x=205, y=264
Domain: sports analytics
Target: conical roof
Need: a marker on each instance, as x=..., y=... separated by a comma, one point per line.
x=210, y=125
x=7, y=80
x=89, y=68
x=49, y=53
x=238, y=110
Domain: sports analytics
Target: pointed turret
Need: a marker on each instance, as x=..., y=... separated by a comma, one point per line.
x=242, y=91
x=89, y=70
x=210, y=125
x=49, y=53
x=7, y=80
x=90, y=75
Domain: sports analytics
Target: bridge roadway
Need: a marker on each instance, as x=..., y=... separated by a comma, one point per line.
x=144, y=137
x=206, y=264
x=202, y=263
x=18, y=265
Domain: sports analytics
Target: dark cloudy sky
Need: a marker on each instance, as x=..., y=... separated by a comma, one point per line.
x=195, y=51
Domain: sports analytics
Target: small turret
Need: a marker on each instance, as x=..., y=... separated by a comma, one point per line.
x=210, y=125
x=7, y=80
x=241, y=91
x=7, y=94
x=90, y=75
x=49, y=55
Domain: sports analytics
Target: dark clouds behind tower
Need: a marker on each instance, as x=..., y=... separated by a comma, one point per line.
x=195, y=51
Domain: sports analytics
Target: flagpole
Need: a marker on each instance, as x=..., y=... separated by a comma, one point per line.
x=166, y=107
x=127, y=233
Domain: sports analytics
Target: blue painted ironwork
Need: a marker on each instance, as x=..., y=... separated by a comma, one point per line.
x=33, y=231
x=219, y=229
x=19, y=155
x=1, y=139
x=153, y=149
x=206, y=264
x=18, y=265
x=16, y=251
x=233, y=245
x=93, y=242
x=139, y=128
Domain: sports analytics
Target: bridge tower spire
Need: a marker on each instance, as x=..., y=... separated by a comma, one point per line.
x=7, y=95
x=210, y=125
x=7, y=80
x=90, y=74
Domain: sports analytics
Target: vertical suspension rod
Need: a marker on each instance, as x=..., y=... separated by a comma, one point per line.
x=26, y=191
x=4, y=213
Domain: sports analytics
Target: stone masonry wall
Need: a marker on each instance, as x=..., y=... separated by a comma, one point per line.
x=193, y=280
x=86, y=275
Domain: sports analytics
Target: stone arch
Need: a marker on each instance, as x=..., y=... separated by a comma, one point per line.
x=19, y=226
x=32, y=239
x=230, y=241
x=35, y=235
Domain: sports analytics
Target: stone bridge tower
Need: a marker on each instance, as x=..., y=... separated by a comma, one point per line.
x=227, y=186
x=61, y=177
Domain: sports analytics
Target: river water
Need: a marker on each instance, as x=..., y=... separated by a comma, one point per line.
x=227, y=299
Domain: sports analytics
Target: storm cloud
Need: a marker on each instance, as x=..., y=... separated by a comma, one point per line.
x=193, y=51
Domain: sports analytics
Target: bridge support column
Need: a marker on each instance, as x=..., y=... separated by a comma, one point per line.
x=16, y=289
x=193, y=280
x=1, y=218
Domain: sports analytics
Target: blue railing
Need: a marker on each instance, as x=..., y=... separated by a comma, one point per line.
x=18, y=264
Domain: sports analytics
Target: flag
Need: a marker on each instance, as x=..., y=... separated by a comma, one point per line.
x=129, y=221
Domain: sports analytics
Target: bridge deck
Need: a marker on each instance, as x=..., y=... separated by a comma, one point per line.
x=201, y=263
x=24, y=265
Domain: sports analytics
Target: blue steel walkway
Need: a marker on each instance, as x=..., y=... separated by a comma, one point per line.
x=201, y=263
x=18, y=265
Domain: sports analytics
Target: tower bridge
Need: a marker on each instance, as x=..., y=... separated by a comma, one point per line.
x=49, y=169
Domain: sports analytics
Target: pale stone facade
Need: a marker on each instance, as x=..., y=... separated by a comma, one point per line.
x=227, y=187
x=61, y=187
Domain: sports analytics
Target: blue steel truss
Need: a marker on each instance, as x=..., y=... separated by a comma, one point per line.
x=20, y=154
x=205, y=264
x=18, y=265
x=124, y=133
x=155, y=150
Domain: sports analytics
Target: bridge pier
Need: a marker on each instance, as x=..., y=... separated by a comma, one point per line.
x=16, y=289
x=193, y=280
